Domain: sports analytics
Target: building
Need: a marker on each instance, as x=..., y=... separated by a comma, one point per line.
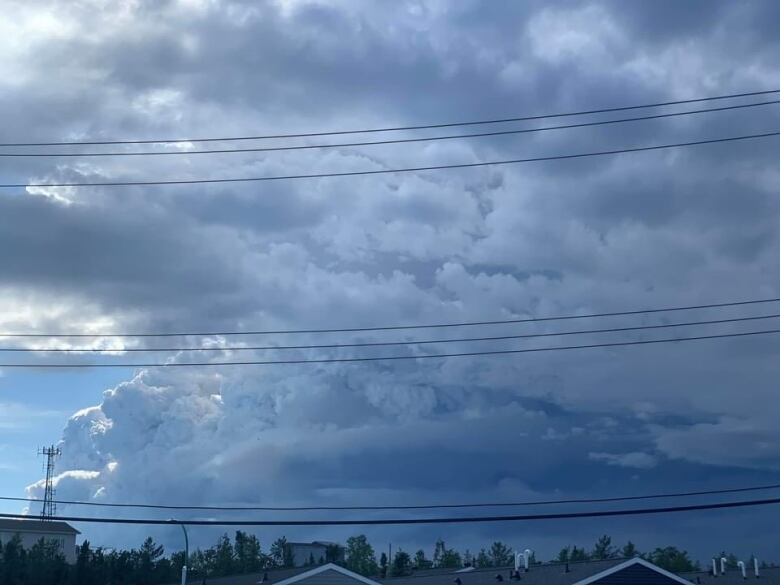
x=31, y=531
x=314, y=553
x=634, y=571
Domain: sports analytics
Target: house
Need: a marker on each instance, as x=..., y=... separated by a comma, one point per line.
x=31, y=531
x=634, y=571
x=314, y=553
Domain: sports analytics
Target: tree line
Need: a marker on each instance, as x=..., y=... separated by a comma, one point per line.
x=44, y=563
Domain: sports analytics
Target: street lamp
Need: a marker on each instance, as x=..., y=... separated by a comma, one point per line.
x=186, y=555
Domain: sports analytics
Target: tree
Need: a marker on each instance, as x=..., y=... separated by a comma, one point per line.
x=500, y=554
x=564, y=555
x=146, y=559
x=281, y=553
x=672, y=559
x=14, y=559
x=224, y=557
x=438, y=552
x=360, y=556
x=578, y=555
x=402, y=564
x=383, y=564
x=483, y=560
x=603, y=549
x=334, y=553
x=249, y=555
x=629, y=551
x=451, y=559
x=420, y=562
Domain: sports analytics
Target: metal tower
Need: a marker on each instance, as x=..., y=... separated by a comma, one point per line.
x=49, y=507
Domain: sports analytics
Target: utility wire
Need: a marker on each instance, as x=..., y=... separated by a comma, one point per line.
x=414, y=507
x=394, y=128
x=34, y=365
x=440, y=520
x=387, y=343
x=404, y=327
x=397, y=170
x=381, y=142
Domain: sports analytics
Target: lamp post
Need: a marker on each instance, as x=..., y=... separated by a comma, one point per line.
x=186, y=555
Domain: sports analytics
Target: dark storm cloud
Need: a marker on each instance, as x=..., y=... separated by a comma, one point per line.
x=653, y=229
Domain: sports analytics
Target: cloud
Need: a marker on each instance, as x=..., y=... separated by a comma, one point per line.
x=636, y=459
x=569, y=237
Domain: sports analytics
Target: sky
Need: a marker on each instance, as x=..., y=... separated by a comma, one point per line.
x=639, y=230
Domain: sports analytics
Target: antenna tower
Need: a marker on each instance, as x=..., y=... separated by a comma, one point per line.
x=49, y=507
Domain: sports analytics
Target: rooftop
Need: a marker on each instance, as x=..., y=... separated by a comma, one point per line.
x=10, y=525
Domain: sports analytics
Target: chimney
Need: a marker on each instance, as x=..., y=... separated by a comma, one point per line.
x=723, y=561
x=755, y=567
x=741, y=565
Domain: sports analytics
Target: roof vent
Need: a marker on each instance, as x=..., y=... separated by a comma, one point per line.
x=457, y=581
x=755, y=567
x=566, y=568
x=514, y=575
x=741, y=565
x=499, y=577
x=265, y=577
x=723, y=561
x=714, y=567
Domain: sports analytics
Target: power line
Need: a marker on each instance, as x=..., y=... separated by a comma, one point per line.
x=404, y=327
x=394, y=128
x=383, y=142
x=407, y=507
x=397, y=170
x=440, y=520
x=388, y=343
x=386, y=358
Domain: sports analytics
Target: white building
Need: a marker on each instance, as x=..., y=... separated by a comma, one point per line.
x=31, y=531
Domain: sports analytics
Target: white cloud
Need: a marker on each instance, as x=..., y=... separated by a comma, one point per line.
x=634, y=459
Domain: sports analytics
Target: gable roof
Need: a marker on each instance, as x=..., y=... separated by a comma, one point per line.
x=324, y=568
x=631, y=563
x=544, y=574
x=42, y=526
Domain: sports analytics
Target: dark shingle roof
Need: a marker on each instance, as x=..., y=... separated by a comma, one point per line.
x=546, y=574
x=9, y=525
x=274, y=576
x=769, y=576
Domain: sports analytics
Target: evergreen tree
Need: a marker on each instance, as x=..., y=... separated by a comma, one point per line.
x=672, y=559
x=603, y=549
x=420, y=561
x=564, y=555
x=629, y=551
x=224, y=557
x=402, y=564
x=500, y=554
x=438, y=552
x=451, y=559
x=578, y=554
x=14, y=559
x=483, y=560
x=281, y=553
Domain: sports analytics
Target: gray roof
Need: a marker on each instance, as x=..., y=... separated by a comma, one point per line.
x=769, y=576
x=546, y=574
x=274, y=576
x=9, y=525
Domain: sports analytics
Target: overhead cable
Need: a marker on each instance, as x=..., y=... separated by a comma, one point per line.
x=394, y=521
x=385, y=343
x=404, y=507
x=404, y=327
x=381, y=142
x=395, y=170
x=394, y=128
x=172, y=364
